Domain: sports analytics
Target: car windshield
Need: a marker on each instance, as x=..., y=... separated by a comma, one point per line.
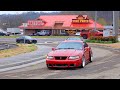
x=70, y=45
x=75, y=38
x=28, y=37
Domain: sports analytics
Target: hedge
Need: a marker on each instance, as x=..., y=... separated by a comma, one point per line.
x=101, y=38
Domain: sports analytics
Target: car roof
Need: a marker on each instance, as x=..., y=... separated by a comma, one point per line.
x=73, y=41
x=74, y=38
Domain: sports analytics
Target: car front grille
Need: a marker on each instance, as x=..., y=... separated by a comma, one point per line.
x=60, y=58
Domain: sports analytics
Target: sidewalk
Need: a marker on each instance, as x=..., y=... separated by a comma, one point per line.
x=40, y=52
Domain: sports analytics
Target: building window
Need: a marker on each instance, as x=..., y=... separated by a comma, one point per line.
x=62, y=31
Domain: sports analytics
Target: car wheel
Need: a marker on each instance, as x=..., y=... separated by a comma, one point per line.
x=49, y=67
x=83, y=62
x=90, y=58
x=84, y=36
x=27, y=41
x=34, y=41
x=18, y=41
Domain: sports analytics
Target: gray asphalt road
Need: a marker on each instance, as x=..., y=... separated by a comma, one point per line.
x=106, y=64
x=40, y=40
x=41, y=51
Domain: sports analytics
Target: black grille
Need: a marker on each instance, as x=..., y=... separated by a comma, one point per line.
x=61, y=58
x=60, y=64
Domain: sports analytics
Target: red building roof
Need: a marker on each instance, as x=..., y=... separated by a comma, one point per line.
x=50, y=21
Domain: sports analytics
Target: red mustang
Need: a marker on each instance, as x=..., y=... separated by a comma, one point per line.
x=69, y=53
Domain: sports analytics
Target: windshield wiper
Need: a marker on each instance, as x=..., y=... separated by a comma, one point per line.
x=60, y=48
x=65, y=48
x=69, y=48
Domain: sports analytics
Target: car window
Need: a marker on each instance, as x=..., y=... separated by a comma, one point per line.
x=70, y=45
x=75, y=38
x=21, y=37
x=28, y=37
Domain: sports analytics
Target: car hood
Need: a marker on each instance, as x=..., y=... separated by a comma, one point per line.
x=69, y=52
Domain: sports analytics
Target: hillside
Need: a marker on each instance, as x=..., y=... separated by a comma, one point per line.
x=6, y=21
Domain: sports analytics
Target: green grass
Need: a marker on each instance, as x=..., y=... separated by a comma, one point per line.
x=22, y=48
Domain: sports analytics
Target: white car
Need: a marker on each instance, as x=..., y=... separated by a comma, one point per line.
x=77, y=34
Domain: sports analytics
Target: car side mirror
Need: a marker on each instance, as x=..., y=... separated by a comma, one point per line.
x=85, y=45
x=53, y=49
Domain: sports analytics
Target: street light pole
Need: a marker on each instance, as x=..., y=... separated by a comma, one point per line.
x=24, y=34
x=115, y=23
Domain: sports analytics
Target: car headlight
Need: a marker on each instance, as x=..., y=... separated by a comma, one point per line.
x=74, y=57
x=50, y=57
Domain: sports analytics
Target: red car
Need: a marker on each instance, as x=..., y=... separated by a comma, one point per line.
x=69, y=53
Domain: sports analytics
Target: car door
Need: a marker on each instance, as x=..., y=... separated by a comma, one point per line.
x=22, y=39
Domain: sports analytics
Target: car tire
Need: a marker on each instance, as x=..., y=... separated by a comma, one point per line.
x=18, y=41
x=84, y=36
x=83, y=62
x=90, y=58
x=49, y=67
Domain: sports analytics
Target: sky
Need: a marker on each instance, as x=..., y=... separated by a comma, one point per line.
x=19, y=12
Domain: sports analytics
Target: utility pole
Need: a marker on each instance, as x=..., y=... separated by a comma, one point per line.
x=24, y=26
x=115, y=23
x=95, y=20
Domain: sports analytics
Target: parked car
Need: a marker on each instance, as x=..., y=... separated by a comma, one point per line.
x=26, y=39
x=69, y=54
x=4, y=34
x=43, y=33
x=77, y=34
x=87, y=33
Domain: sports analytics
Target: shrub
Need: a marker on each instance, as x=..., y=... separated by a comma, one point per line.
x=101, y=38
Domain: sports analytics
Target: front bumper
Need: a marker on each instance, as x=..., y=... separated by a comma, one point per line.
x=63, y=63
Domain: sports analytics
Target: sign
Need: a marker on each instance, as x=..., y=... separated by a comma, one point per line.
x=81, y=19
x=36, y=22
x=107, y=33
x=71, y=32
x=24, y=24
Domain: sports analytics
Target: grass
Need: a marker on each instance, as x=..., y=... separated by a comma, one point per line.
x=98, y=41
x=22, y=48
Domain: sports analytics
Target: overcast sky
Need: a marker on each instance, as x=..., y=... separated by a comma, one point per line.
x=19, y=12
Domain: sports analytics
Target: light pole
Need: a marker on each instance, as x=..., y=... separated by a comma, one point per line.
x=115, y=24
x=24, y=25
x=24, y=34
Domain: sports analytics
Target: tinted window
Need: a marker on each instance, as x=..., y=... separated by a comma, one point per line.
x=70, y=45
x=28, y=37
x=74, y=39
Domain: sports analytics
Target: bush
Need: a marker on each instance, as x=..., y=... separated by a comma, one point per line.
x=101, y=38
